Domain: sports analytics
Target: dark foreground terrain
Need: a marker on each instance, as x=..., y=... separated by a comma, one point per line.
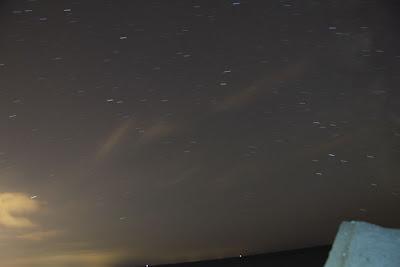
x=310, y=257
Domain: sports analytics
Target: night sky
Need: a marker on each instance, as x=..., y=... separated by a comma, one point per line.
x=149, y=132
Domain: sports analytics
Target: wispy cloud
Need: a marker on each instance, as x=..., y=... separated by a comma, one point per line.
x=250, y=94
x=113, y=139
x=40, y=235
x=151, y=133
x=14, y=209
x=157, y=131
x=88, y=258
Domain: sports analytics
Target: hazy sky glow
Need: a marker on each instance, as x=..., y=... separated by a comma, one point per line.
x=146, y=132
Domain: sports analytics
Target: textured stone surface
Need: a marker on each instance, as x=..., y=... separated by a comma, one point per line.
x=361, y=244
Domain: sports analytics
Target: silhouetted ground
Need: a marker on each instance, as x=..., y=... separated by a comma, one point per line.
x=310, y=257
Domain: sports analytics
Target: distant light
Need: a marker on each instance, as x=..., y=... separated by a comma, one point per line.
x=33, y=197
x=236, y=3
x=240, y=256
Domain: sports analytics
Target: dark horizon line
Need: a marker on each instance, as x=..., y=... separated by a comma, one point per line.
x=314, y=256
